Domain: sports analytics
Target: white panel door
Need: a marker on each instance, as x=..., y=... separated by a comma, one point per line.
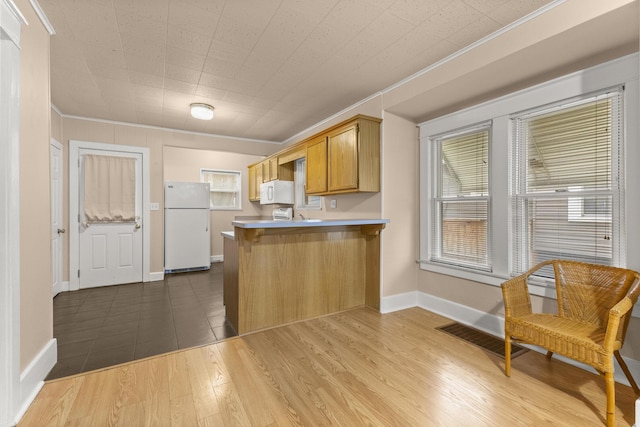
x=56, y=217
x=111, y=254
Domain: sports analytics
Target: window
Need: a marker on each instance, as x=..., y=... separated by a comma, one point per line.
x=461, y=198
x=535, y=175
x=225, y=187
x=588, y=209
x=565, y=182
x=302, y=200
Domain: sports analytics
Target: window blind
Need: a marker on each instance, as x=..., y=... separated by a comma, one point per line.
x=566, y=182
x=109, y=189
x=461, y=202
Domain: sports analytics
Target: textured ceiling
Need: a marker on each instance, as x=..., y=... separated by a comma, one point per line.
x=271, y=68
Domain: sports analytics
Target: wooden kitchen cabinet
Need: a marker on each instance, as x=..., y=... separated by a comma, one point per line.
x=255, y=179
x=269, y=169
x=292, y=154
x=272, y=169
x=265, y=170
x=342, y=159
x=346, y=158
x=253, y=196
x=342, y=148
x=317, y=166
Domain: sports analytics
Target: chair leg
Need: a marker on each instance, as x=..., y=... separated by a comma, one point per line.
x=549, y=354
x=611, y=399
x=507, y=355
x=627, y=373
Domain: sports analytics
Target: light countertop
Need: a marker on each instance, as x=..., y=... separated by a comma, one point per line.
x=261, y=223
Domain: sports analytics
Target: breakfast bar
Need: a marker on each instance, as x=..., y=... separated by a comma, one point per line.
x=277, y=272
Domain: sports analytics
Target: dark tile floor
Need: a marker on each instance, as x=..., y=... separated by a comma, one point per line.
x=105, y=326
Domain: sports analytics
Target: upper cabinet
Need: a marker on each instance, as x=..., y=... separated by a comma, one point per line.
x=272, y=169
x=342, y=146
x=317, y=165
x=291, y=154
x=255, y=179
x=352, y=158
x=342, y=159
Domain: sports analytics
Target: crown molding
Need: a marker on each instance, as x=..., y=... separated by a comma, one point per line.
x=43, y=17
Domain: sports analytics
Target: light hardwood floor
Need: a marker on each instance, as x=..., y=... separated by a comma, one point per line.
x=352, y=368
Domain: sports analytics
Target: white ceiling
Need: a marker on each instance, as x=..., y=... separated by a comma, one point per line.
x=271, y=68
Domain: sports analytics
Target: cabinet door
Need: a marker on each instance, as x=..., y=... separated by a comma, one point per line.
x=264, y=167
x=343, y=158
x=259, y=179
x=273, y=168
x=253, y=189
x=317, y=166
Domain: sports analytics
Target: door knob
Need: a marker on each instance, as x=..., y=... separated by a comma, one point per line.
x=138, y=226
x=61, y=230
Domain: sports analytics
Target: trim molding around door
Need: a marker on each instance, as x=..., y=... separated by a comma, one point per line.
x=11, y=22
x=74, y=238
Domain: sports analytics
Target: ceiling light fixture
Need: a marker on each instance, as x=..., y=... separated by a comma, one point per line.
x=201, y=111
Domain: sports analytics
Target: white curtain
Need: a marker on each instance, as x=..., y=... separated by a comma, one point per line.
x=109, y=189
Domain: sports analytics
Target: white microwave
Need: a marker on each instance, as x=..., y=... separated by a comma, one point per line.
x=276, y=192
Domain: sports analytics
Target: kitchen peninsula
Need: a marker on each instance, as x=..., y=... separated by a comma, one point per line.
x=277, y=272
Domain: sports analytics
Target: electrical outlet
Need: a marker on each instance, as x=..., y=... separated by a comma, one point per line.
x=154, y=206
x=334, y=203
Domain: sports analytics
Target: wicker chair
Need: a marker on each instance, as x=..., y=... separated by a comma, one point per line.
x=594, y=307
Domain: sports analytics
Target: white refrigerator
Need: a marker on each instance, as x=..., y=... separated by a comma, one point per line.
x=187, y=233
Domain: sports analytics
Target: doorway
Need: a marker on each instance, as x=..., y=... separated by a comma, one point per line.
x=57, y=227
x=108, y=253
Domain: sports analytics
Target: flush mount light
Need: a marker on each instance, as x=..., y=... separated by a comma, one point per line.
x=201, y=111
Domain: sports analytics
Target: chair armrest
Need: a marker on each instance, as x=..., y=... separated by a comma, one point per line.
x=517, y=301
x=616, y=313
x=515, y=292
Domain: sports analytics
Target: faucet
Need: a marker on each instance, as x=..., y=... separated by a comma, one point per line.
x=301, y=216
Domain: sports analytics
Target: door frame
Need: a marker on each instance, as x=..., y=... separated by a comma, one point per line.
x=11, y=22
x=74, y=235
x=62, y=286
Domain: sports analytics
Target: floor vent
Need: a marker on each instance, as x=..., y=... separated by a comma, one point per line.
x=483, y=340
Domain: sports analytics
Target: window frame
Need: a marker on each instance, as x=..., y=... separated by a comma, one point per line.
x=622, y=71
x=436, y=254
x=238, y=174
x=300, y=188
x=524, y=191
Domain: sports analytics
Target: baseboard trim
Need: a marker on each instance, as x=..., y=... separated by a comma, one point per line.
x=217, y=258
x=398, y=302
x=156, y=276
x=32, y=378
x=486, y=322
x=60, y=287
